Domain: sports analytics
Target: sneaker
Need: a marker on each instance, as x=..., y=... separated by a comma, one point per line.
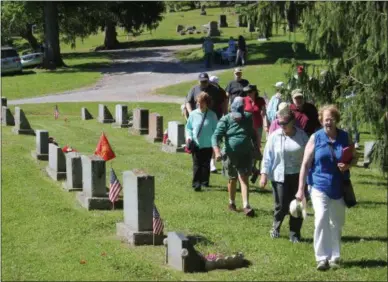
x=334, y=264
x=213, y=170
x=356, y=145
x=249, y=212
x=323, y=265
x=232, y=207
x=197, y=188
x=274, y=233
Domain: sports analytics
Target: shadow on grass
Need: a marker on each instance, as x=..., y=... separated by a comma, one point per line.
x=24, y=72
x=369, y=183
x=357, y=239
x=369, y=263
x=199, y=239
x=272, y=51
x=371, y=203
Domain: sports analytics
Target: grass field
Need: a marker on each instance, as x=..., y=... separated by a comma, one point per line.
x=45, y=234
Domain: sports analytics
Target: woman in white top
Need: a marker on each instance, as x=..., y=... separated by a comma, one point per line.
x=282, y=159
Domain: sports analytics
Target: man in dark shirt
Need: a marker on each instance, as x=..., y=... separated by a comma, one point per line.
x=213, y=91
x=305, y=113
x=235, y=87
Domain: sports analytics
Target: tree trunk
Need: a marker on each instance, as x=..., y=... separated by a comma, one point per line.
x=110, y=41
x=291, y=16
x=52, y=53
x=27, y=35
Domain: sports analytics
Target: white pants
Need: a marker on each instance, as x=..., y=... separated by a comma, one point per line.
x=329, y=220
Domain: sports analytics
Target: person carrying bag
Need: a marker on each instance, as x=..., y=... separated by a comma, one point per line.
x=200, y=127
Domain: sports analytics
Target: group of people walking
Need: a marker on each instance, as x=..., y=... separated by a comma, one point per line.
x=301, y=158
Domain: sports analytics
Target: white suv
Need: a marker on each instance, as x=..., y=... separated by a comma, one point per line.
x=10, y=61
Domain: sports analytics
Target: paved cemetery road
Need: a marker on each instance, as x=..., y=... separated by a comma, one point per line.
x=132, y=77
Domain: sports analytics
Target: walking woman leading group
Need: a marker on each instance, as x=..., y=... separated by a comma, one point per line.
x=304, y=148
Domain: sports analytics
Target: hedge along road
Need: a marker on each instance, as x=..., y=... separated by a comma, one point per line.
x=132, y=77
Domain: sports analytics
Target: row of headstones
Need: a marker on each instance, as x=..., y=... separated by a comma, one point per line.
x=87, y=175
x=143, y=123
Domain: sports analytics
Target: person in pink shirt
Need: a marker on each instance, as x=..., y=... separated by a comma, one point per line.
x=275, y=124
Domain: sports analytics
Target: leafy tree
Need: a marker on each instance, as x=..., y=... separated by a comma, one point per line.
x=353, y=38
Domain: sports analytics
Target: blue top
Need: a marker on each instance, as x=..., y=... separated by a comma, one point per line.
x=283, y=154
x=324, y=174
x=273, y=107
x=209, y=126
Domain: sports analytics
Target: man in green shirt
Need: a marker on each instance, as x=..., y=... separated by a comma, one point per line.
x=236, y=128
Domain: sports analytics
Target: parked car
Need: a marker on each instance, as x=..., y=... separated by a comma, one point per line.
x=10, y=61
x=32, y=59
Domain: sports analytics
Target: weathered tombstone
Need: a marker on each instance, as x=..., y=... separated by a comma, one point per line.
x=368, y=149
x=182, y=32
x=155, y=133
x=139, y=193
x=140, y=121
x=42, y=145
x=56, y=168
x=85, y=114
x=179, y=28
x=241, y=21
x=222, y=21
x=95, y=193
x=22, y=126
x=213, y=29
x=176, y=137
x=73, y=172
x=121, y=114
x=4, y=101
x=6, y=116
x=181, y=254
x=203, y=10
x=251, y=27
x=104, y=115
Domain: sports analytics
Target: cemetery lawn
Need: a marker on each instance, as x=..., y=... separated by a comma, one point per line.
x=83, y=70
x=46, y=234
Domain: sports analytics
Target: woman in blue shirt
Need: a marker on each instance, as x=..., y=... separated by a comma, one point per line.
x=325, y=177
x=282, y=158
x=200, y=127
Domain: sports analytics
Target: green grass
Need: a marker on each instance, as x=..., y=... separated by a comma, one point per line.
x=45, y=233
x=82, y=71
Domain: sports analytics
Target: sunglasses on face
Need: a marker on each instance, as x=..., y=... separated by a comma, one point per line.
x=284, y=123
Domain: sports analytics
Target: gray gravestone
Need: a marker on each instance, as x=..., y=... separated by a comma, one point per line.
x=95, y=193
x=179, y=28
x=176, y=137
x=140, y=121
x=73, y=172
x=155, y=128
x=56, y=168
x=42, y=145
x=6, y=116
x=139, y=193
x=181, y=254
x=213, y=29
x=368, y=149
x=222, y=22
x=241, y=21
x=121, y=117
x=203, y=11
x=104, y=115
x=4, y=101
x=22, y=126
x=251, y=27
x=85, y=114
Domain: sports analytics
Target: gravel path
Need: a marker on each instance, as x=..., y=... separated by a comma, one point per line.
x=132, y=77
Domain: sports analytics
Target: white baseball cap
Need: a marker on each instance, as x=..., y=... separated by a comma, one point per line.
x=214, y=79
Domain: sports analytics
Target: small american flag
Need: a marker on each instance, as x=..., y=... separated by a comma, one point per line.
x=56, y=112
x=158, y=225
x=114, y=187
